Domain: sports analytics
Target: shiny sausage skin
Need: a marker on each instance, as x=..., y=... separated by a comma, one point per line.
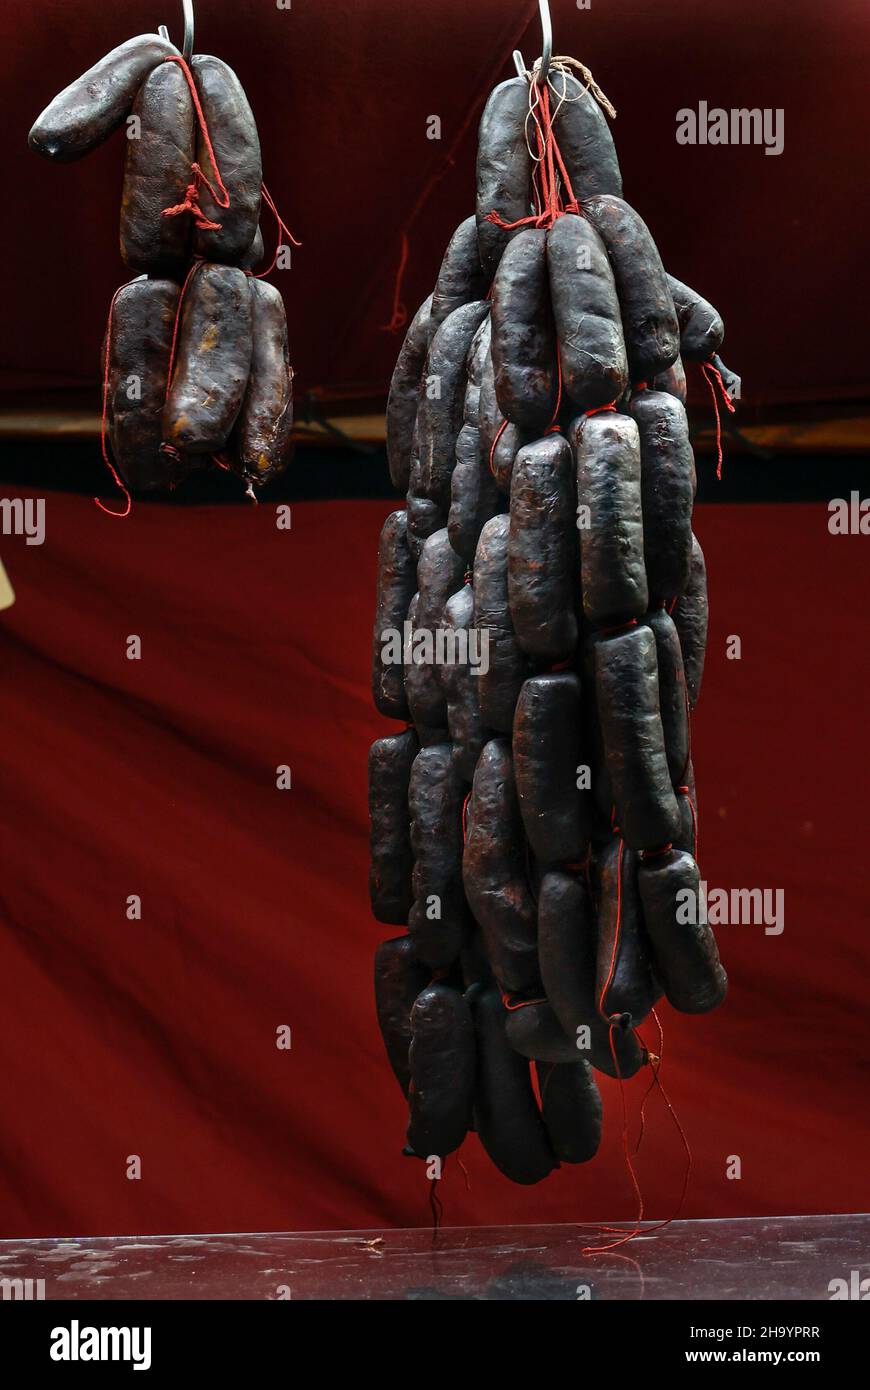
x=442, y=1059
x=86, y=112
x=494, y=871
x=404, y=396
x=260, y=444
x=399, y=978
x=548, y=749
x=213, y=359
x=461, y=278
x=686, y=959
x=236, y=145
x=607, y=454
x=649, y=319
x=506, y=1113
x=157, y=172
x=586, y=310
x=667, y=487
x=543, y=555
x=524, y=334
x=627, y=697
x=143, y=318
x=503, y=168
x=390, y=857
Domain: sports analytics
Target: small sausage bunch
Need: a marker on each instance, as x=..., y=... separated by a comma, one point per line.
x=196, y=361
x=534, y=824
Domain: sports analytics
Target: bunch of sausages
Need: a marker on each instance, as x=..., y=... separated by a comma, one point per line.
x=534, y=823
x=196, y=360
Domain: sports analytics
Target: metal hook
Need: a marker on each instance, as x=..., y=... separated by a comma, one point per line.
x=187, y=41
x=546, y=46
x=546, y=40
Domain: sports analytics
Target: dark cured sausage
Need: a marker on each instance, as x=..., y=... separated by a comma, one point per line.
x=627, y=693
x=236, y=145
x=461, y=277
x=586, y=310
x=691, y=617
x=459, y=683
x=212, y=361
x=624, y=979
x=566, y=950
x=506, y=1113
x=440, y=573
x=404, y=396
x=686, y=958
x=649, y=319
x=261, y=439
x=494, y=871
x=500, y=681
x=503, y=167
x=399, y=978
x=438, y=920
x=426, y=702
x=543, y=557
x=474, y=494
x=607, y=452
x=701, y=327
x=524, y=334
x=89, y=109
x=548, y=749
x=533, y=1030
x=667, y=476
x=157, y=172
x=397, y=582
x=425, y=517
x=584, y=138
x=442, y=398
x=442, y=1062
x=673, y=381
x=390, y=858
x=255, y=252
x=143, y=317
x=571, y=1110
x=500, y=441
x=673, y=695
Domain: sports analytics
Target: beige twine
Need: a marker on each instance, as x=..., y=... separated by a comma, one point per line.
x=565, y=63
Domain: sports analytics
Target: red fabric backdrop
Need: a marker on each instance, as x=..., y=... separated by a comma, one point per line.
x=157, y=777
x=342, y=90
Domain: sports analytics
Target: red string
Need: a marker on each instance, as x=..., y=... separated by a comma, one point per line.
x=436, y=1206
x=191, y=195
x=614, y=951
x=707, y=367
x=511, y=1002
x=620, y=627
x=171, y=365
x=399, y=315
x=464, y=1173
x=106, y=460
x=465, y=816
x=282, y=227
x=501, y=429
x=597, y=409
x=684, y=791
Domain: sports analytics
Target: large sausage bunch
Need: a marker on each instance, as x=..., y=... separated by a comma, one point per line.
x=534, y=822
x=195, y=361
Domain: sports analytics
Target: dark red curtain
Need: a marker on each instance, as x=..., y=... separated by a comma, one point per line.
x=157, y=778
